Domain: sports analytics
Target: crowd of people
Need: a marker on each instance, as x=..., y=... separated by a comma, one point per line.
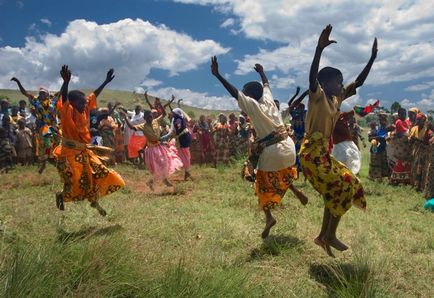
x=81, y=140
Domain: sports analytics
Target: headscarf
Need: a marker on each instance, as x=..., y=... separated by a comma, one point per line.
x=178, y=114
x=421, y=116
x=414, y=110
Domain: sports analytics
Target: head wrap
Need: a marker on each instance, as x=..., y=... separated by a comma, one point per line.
x=421, y=116
x=44, y=89
x=414, y=110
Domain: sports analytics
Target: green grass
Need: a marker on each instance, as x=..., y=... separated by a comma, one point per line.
x=203, y=240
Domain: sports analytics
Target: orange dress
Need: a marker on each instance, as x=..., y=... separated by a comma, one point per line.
x=81, y=170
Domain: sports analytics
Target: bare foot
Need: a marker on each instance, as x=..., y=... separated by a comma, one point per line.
x=166, y=182
x=324, y=246
x=188, y=175
x=268, y=227
x=150, y=184
x=336, y=244
x=101, y=211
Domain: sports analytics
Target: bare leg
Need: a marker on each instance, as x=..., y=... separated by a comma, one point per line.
x=187, y=175
x=319, y=240
x=167, y=182
x=270, y=221
x=59, y=201
x=96, y=205
x=303, y=199
x=42, y=165
x=150, y=184
x=330, y=236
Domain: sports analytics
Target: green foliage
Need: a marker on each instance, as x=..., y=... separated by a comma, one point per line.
x=395, y=107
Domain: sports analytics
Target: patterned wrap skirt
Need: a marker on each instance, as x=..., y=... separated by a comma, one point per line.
x=419, y=167
x=85, y=177
x=429, y=185
x=379, y=165
x=339, y=187
x=401, y=172
x=271, y=186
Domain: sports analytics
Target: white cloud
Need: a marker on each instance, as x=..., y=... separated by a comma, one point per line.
x=227, y=23
x=32, y=26
x=131, y=47
x=420, y=87
x=46, y=22
x=197, y=99
x=404, y=28
x=20, y=4
x=149, y=83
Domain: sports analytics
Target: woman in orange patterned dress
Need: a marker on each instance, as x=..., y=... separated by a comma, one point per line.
x=84, y=175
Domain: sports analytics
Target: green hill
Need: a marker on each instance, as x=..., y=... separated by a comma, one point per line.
x=128, y=99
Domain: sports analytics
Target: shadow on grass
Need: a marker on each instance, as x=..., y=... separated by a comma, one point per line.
x=85, y=233
x=347, y=279
x=276, y=244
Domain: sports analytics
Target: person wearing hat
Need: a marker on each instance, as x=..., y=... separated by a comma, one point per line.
x=420, y=136
x=46, y=121
x=412, y=113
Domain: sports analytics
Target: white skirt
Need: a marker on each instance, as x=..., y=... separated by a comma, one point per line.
x=348, y=153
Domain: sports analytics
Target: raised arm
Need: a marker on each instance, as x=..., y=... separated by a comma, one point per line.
x=323, y=42
x=294, y=96
x=109, y=77
x=215, y=71
x=260, y=70
x=179, y=102
x=364, y=74
x=168, y=104
x=147, y=101
x=299, y=99
x=124, y=117
x=23, y=91
x=65, y=73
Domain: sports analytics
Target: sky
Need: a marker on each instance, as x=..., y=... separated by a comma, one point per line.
x=164, y=46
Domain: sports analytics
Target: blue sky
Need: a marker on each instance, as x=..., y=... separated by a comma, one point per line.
x=164, y=46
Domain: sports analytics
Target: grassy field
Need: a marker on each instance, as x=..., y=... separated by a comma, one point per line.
x=128, y=99
x=202, y=239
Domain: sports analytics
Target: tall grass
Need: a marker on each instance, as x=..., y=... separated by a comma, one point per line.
x=104, y=267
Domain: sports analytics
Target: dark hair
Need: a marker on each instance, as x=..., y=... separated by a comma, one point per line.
x=146, y=113
x=402, y=110
x=22, y=101
x=74, y=95
x=253, y=89
x=327, y=73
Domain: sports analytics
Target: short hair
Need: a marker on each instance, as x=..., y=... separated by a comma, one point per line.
x=22, y=101
x=146, y=113
x=74, y=95
x=401, y=110
x=253, y=89
x=327, y=73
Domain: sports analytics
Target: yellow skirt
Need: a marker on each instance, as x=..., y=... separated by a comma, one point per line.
x=85, y=177
x=271, y=186
x=339, y=187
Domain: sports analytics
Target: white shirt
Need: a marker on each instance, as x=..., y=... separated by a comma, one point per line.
x=136, y=119
x=266, y=118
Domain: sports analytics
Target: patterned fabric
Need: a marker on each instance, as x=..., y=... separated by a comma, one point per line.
x=339, y=187
x=85, y=177
x=429, y=185
x=401, y=171
x=378, y=165
x=81, y=170
x=207, y=150
x=420, y=165
x=6, y=153
x=271, y=186
x=222, y=142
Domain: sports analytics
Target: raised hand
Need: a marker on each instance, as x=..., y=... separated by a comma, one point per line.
x=214, y=66
x=298, y=90
x=65, y=73
x=374, y=48
x=258, y=67
x=173, y=98
x=324, y=39
x=14, y=79
x=110, y=75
